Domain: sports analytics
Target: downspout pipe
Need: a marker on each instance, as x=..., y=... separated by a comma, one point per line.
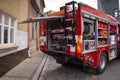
x=28, y=28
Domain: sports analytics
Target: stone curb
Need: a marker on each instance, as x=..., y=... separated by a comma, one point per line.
x=39, y=69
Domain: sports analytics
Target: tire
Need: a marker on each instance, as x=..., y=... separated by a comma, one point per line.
x=60, y=60
x=118, y=55
x=118, y=52
x=102, y=63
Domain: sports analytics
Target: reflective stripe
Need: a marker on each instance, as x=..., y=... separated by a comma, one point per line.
x=79, y=44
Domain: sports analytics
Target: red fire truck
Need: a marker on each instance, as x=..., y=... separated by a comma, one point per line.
x=79, y=34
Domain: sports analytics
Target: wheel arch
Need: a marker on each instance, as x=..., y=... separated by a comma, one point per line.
x=107, y=54
x=102, y=61
x=99, y=55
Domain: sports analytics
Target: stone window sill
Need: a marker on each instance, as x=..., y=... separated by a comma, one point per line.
x=4, y=47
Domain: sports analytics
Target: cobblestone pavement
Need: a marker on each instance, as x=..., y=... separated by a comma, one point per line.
x=55, y=71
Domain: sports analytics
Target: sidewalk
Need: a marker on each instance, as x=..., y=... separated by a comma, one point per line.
x=29, y=69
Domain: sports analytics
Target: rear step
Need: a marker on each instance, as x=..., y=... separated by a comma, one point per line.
x=53, y=51
x=68, y=19
x=57, y=31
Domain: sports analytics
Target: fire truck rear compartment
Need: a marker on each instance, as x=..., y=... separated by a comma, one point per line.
x=55, y=38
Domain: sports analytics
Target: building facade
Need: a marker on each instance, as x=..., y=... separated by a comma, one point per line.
x=18, y=39
x=13, y=36
x=111, y=7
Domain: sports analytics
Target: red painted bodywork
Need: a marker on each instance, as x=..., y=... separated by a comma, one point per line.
x=95, y=55
x=43, y=34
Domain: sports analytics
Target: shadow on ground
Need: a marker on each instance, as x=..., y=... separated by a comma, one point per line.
x=54, y=71
x=10, y=61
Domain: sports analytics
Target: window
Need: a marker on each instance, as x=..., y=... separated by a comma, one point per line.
x=6, y=20
x=12, y=35
x=7, y=29
x=5, y=34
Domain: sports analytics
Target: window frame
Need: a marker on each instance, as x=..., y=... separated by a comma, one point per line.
x=10, y=27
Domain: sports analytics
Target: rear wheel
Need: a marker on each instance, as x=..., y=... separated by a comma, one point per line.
x=60, y=59
x=118, y=52
x=118, y=55
x=102, y=63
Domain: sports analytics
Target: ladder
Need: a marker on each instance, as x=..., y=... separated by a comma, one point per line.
x=72, y=4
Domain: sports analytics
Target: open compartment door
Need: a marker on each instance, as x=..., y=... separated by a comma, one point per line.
x=45, y=24
x=39, y=19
